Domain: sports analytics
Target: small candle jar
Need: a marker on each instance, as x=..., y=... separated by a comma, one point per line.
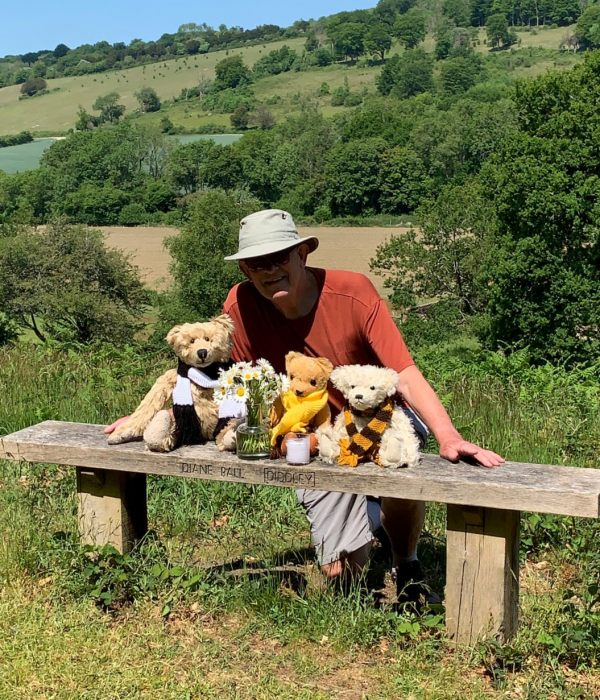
x=298, y=449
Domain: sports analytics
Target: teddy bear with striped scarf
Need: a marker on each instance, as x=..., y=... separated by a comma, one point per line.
x=372, y=427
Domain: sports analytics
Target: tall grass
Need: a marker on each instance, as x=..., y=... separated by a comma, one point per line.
x=221, y=551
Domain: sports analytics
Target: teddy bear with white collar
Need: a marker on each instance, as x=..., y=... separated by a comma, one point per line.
x=202, y=350
x=371, y=428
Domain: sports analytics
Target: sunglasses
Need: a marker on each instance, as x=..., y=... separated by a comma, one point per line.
x=266, y=262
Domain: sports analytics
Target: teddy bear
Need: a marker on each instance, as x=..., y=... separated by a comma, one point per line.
x=371, y=427
x=202, y=350
x=304, y=407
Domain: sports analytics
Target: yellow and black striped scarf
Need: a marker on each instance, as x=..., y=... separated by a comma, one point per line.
x=364, y=445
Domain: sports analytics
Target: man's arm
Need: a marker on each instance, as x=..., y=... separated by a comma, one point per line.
x=419, y=395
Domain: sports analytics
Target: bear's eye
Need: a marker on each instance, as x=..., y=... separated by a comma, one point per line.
x=352, y=386
x=292, y=377
x=313, y=382
x=206, y=338
x=372, y=388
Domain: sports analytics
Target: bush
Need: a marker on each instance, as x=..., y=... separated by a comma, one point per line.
x=33, y=86
x=93, y=204
x=228, y=100
x=133, y=214
x=16, y=139
x=63, y=283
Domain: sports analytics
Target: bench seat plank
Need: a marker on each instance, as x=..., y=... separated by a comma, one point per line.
x=514, y=486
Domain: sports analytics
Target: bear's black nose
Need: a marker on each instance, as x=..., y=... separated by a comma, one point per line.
x=358, y=396
x=202, y=354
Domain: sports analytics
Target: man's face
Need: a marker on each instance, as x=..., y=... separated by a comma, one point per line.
x=278, y=276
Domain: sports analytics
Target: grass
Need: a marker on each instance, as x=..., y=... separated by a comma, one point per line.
x=56, y=111
x=223, y=598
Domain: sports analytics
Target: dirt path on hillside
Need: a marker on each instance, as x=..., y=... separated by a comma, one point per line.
x=342, y=248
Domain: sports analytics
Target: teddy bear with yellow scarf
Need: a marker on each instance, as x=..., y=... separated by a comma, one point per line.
x=304, y=407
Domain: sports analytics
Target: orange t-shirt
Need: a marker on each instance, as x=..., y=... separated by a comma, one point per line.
x=349, y=324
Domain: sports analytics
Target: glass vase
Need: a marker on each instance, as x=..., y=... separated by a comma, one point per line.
x=252, y=437
x=252, y=441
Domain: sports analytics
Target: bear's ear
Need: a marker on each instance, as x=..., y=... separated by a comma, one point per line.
x=290, y=357
x=226, y=321
x=172, y=335
x=325, y=365
x=339, y=378
x=392, y=378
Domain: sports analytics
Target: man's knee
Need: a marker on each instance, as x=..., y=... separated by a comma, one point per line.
x=352, y=563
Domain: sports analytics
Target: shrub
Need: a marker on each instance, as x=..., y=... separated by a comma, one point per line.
x=63, y=283
x=133, y=214
x=33, y=86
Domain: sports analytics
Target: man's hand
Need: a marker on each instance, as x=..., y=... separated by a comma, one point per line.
x=456, y=448
x=113, y=426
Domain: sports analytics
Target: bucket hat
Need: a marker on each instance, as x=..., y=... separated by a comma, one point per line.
x=266, y=232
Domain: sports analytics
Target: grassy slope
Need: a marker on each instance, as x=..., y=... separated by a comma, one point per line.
x=57, y=110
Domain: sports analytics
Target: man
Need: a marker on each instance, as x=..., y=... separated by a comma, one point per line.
x=285, y=305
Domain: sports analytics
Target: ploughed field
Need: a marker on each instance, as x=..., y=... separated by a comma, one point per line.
x=343, y=247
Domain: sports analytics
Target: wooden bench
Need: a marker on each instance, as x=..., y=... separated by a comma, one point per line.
x=482, y=578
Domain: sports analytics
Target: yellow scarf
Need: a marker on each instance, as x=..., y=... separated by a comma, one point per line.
x=299, y=411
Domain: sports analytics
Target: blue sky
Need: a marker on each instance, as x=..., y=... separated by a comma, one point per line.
x=42, y=24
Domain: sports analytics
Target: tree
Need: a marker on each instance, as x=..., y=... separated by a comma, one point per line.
x=184, y=164
x=587, y=29
x=63, y=283
x=231, y=73
x=110, y=110
x=61, y=50
x=352, y=176
x=544, y=279
x=387, y=10
x=239, y=117
x=148, y=99
x=85, y=120
x=378, y=40
x=32, y=86
x=263, y=118
x=201, y=277
x=407, y=75
x=409, y=28
x=459, y=11
x=275, y=62
x=444, y=259
x=403, y=181
x=348, y=39
x=458, y=74
x=498, y=32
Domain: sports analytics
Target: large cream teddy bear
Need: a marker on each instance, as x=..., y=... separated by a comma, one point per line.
x=371, y=427
x=202, y=350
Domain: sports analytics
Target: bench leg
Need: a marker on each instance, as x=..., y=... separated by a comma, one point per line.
x=482, y=573
x=112, y=507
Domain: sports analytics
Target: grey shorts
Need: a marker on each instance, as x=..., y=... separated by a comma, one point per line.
x=341, y=523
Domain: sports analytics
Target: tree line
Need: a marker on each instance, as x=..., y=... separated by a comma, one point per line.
x=345, y=35
x=503, y=184
x=189, y=40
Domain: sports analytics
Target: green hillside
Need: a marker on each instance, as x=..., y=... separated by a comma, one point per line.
x=56, y=111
